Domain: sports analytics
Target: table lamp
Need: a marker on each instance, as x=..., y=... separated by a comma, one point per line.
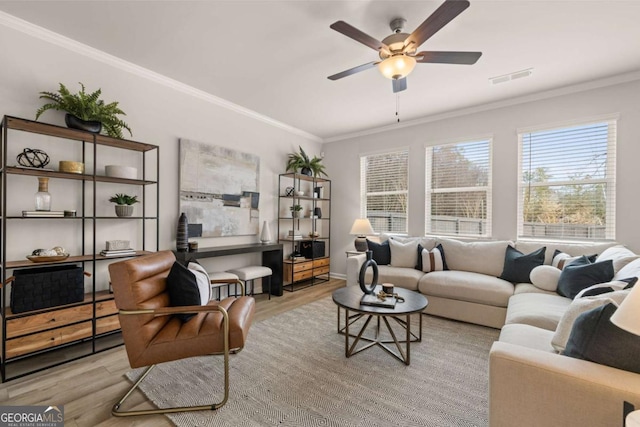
x=627, y=316
x=361, y=228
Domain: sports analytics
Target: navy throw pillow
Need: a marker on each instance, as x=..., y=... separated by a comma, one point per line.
x=518, y=266
x=183, y=289
x=581, y=274
x=594, y=338
x=381, y=252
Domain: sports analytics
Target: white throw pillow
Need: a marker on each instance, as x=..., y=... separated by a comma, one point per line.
x=403, y=254
x=562, y=259
x=545, y=277
x=630, y=270
x=432, y=260
x=602, y=288
x=575, y=309
x=202, y=278
x=620, y=256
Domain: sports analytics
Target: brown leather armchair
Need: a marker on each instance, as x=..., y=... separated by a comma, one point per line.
x=153, y=335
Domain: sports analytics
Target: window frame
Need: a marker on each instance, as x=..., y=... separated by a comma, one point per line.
x=363, y=188
x=610, y=179
x=488, y=189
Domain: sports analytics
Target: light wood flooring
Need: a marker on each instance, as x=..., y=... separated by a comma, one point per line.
x=89, y=387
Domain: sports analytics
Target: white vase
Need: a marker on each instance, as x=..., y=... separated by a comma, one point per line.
x=265, y=236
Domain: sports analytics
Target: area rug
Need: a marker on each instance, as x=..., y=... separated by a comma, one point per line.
x=293, y=372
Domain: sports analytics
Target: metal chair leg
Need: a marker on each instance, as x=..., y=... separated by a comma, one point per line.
x=116, y=412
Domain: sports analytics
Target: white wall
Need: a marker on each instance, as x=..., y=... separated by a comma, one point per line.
x=157, y=114
x=342, y=158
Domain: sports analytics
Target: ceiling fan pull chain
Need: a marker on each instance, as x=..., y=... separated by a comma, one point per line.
x=398, y=107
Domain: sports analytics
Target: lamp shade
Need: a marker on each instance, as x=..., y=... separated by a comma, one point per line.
x=627, y=316
x=397, y=66
x=361, y=227
x=633, y=419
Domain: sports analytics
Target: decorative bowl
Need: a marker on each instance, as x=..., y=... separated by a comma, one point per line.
x=118, y=171
x=51, y=258
x=70, y=166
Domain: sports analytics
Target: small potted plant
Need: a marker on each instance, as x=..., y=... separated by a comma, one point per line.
x=295, y=210
x=124, y=204
x=301, y=161
x=85, y=111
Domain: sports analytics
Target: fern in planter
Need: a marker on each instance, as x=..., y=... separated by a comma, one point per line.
x=86, y=106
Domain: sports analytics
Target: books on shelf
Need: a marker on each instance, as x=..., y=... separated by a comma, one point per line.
x=373, y=300
x=118, y=252
x=42, y=214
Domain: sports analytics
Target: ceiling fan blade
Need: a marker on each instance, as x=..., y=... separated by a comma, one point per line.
x=438, y=19
x=467, y=58
x=357, y=35
x=399, y=85
x=353, y=70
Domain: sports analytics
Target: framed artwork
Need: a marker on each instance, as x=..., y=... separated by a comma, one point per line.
x=219, y=190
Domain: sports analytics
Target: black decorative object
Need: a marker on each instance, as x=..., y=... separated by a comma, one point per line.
x=37, y=288
x=306, y=171
x=182, y=239
x=289, y=191
x=368, y=289
x=33, y=158
x=74, y=122
x=317, y=212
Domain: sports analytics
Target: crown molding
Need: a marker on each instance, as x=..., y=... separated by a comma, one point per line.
x=576, y=88
x=41, y=33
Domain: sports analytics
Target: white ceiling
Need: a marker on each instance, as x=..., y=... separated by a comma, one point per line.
x=273, y=57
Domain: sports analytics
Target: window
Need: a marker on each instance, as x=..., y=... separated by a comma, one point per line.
x=384, y=188
x=458, y=188
x=566, y=185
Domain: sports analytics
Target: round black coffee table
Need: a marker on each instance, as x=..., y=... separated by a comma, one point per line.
x=349, y=299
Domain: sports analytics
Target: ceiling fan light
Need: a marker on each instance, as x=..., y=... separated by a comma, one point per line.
x=397, y=67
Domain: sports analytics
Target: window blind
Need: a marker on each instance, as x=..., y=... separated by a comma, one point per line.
x=567, y=182
x=384, y=187
x=458, y=185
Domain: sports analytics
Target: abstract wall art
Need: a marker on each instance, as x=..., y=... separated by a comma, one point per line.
x=219, y=190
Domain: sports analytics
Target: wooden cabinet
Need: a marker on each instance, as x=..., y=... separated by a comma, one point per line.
x=38, y=339
x=305, y=231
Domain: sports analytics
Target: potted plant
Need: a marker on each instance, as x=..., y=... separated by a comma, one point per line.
x=301, y=161
x=85, y=111
x=295, y=210
x=124, y=204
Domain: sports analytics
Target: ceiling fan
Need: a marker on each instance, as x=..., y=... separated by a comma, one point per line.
x=397, y=52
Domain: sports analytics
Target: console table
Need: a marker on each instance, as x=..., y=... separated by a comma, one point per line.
x=271, y=257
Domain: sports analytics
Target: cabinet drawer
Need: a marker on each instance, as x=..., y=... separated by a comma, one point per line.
x=104, y=308
x=307, y=274
x=107, y=324
x=320, y=262
x=48, y=339
x=301, y=266
x=321, y=270
x=50, y=319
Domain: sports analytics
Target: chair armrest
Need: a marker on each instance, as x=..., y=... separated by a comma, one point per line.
x=165, y=311
x=354, y=264
x=529, y=387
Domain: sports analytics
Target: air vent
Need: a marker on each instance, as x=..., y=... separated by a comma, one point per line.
x=512, y=76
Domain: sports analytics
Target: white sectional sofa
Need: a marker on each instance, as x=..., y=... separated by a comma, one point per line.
x=531, y=384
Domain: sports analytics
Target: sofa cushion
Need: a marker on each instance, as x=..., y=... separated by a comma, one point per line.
x=467, y=286
x=603, y=288
x=518, y=266
x=576, y=308
x=403, y=254
x=381, y=252
x=527, y=336
x=536, y=309
x=527, y=288
x=630, y=270
x=431, y=260
x=477, y=257
x=573, y=249
x=596, y=339
x=581, y=274
x=398, y=276
x=619, y=255
x=545, y=277
x=562, y=259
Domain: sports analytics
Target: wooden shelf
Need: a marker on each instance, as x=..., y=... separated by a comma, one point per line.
x=71, y=259
x=304, y=177
x=16, y=170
